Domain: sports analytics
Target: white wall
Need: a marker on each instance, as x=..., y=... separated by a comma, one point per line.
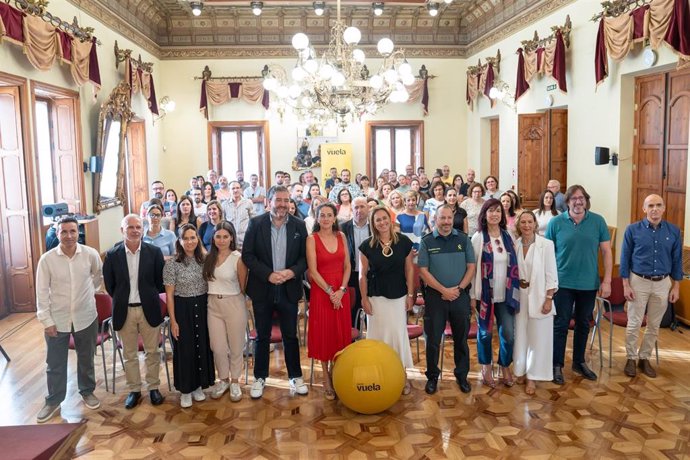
x=185, y=147
x=15, y=62
x=600, y=116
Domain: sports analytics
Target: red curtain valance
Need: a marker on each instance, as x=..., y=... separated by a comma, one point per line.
x=480, y=81
x=44, y=43
x=141, y=80
x=224, y=92
x=660, y=21
x=548, y=59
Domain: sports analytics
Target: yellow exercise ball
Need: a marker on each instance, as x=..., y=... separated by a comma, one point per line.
x=368, y=376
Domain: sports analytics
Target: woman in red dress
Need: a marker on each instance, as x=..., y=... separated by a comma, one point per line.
x=329, y=303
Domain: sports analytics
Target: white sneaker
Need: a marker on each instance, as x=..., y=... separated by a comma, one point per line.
x=198, y=395
x=235, y=392
x=298, y=386
x=257, y=390
x=186, y=400
x=220, y=388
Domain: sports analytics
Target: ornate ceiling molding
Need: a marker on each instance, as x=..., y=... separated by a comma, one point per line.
x=519, y=23
x=236, y=52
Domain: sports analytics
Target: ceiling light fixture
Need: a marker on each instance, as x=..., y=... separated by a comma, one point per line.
x=337, y=85
x=378, y=8
x=257, y=7
x=433, y=8
x=196, y=7
x=319, y=8
x=448, y=1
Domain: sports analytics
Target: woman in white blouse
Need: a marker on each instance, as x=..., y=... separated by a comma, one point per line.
x=227, y=312
x=533, y=347
x=546, y=212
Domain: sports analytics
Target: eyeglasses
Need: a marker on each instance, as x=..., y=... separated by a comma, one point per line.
x=155, y=215
x=499, y=248
x=577, y=199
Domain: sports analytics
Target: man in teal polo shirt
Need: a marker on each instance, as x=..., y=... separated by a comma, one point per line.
x=578, y=235
x=446, y=265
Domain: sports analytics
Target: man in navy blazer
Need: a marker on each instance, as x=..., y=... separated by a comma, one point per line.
x=274, y=250
x=133, y=276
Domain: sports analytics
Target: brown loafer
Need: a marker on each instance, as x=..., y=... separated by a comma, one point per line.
x=646, y=368
x=630, y=366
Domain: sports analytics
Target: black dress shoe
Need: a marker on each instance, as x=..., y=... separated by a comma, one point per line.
x=156, y=397
x=132, y=399
x=431, y=386
x=464, y=385
x=586, y=372
x=558, y=375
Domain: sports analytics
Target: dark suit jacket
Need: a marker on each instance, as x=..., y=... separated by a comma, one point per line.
x=257, y=255
x=348, y=229
x=116, y=279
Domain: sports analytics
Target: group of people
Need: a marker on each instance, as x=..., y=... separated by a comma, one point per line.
x=477, y=253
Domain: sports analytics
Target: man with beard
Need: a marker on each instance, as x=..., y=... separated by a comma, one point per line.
x=157, y=190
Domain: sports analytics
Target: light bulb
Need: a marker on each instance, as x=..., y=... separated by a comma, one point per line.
x=493, y=93
x=270, y=84
x=326, y=71
x=338, y=79
x=196, y=8
x=352, y=35
x=257, y=7
x=298, y=73
x=391, y=76
x=378, y=8
x=358, y=55
x=433, y=8
x=294, y=91
x=319, y=8
x=310, y=66
x=405, y=68
x=385, y=46
x=300, y=41
x=403, y=96
x=407, y=79
x=376, y=81
x=448, y=1
x=170, y=106
x=282, y=92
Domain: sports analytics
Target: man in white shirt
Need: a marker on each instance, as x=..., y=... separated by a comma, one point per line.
x=256, y=194
x=199, y=205
x=238, y=210
x=66, y=281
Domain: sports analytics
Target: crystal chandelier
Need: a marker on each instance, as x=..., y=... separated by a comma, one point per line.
x=339, y=86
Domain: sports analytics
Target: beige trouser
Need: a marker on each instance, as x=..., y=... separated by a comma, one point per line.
x=652, y=296
x=136, y=325
x=227, y=329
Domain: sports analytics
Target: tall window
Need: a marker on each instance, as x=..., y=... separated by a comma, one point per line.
x=57, y=152
x=239, y=146
x=394, y=145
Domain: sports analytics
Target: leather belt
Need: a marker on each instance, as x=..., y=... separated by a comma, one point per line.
x=134, y=305
x=653, y=278
x=524, y=284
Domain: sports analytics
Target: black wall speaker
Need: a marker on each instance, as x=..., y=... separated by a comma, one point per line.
x=601, y=155
x=96, y=164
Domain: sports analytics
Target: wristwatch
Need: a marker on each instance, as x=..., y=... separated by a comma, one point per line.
x=343, y=288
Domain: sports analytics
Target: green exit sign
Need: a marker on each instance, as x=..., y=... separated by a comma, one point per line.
x=551, y=87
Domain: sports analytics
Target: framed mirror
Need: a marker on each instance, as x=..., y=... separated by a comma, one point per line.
x=111, y=145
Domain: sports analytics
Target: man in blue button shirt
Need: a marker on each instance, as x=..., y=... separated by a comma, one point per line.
x=651, y=268
x=446, y=265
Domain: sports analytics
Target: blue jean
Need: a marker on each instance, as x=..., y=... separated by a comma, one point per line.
x=56, y=361
x=505, y=320
x=571, y=302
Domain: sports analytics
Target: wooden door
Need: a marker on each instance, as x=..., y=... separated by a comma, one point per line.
x=558, y=149
x=648, y=150
x=494, y=147
x=660, y=150
x=15, y=241
x=137, y=167
x=676, y=155
x=67, y=159
x=533, y=149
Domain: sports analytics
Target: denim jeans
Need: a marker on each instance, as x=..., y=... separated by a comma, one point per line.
x=571, y=302
x=56, y=361
x=505, y=321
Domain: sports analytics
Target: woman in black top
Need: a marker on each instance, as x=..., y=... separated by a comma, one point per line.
x=386, y=282
x=459, y=214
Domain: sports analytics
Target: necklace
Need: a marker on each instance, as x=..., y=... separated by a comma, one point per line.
x=386, y=250
x=525, y=243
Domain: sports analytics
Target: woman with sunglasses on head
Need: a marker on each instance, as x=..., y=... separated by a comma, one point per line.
x=495, y=291
x=156, y=234
x=226, y=275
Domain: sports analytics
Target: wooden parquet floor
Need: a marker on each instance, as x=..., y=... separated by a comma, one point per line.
x=614, y=417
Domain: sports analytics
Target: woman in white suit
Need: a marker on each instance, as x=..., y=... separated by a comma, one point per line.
x=533, y=348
